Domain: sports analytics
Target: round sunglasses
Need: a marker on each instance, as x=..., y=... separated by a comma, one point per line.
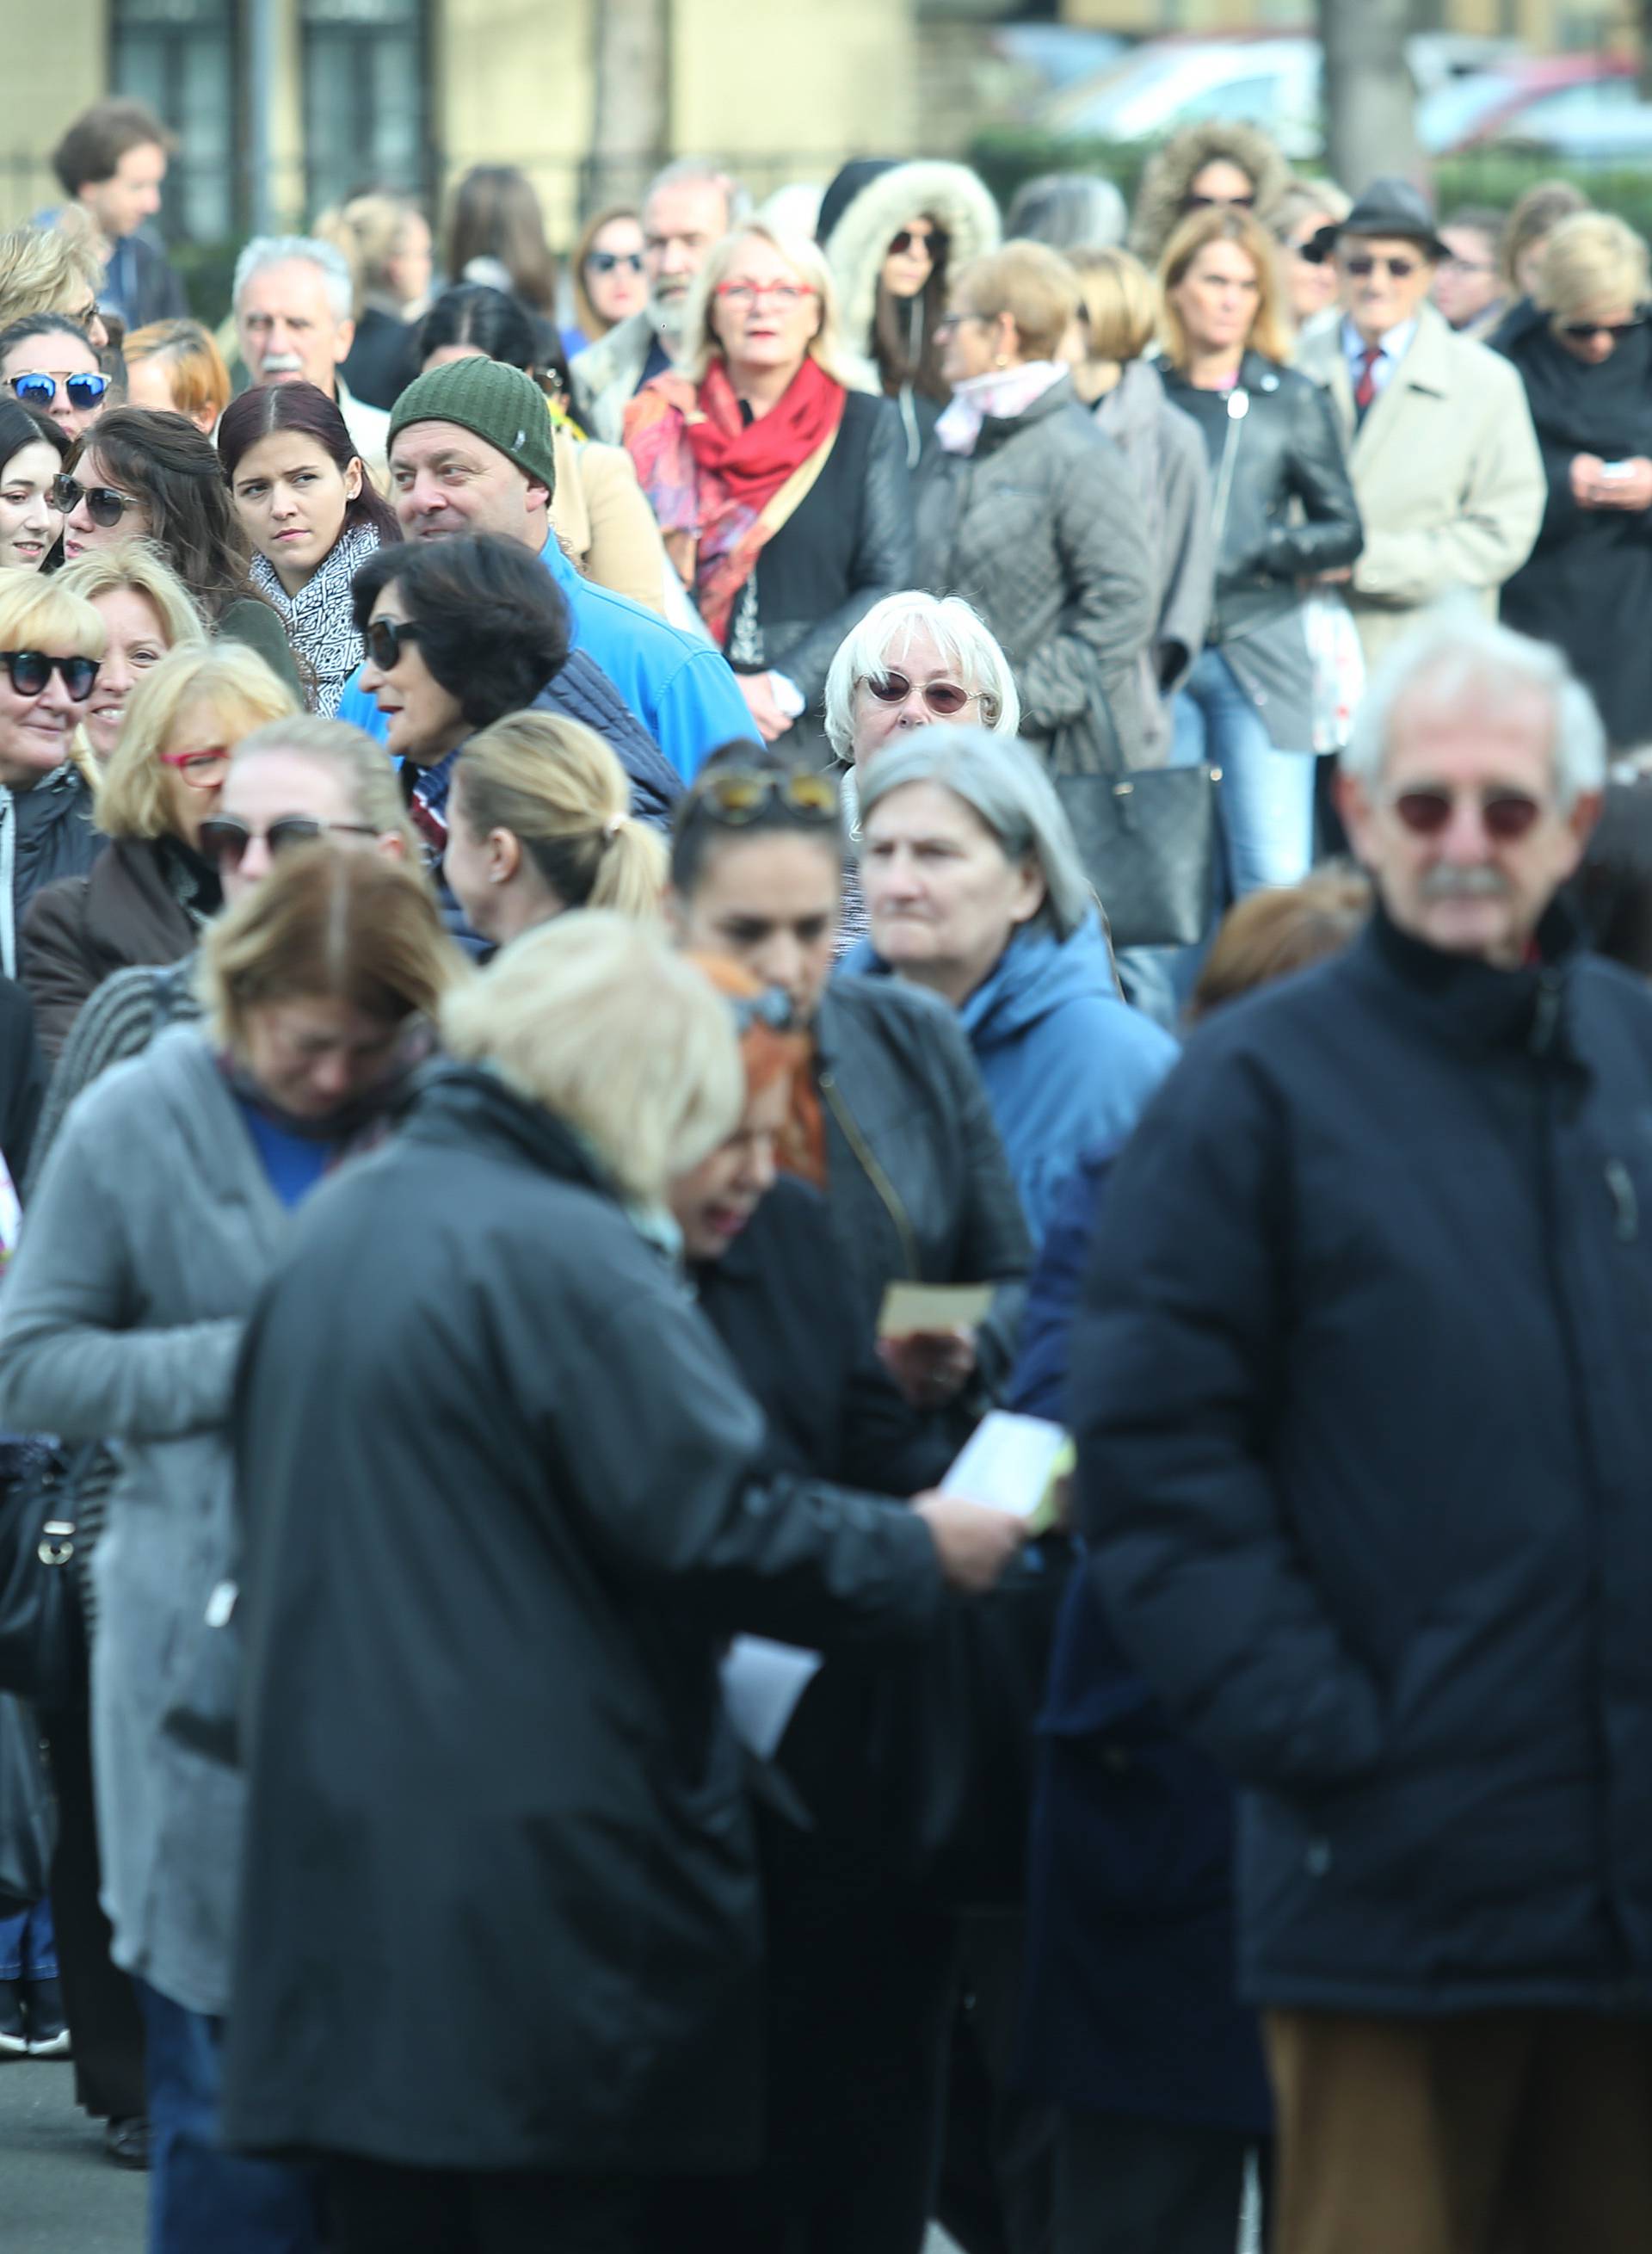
x=604, y=261
x=38, y=387
x=1506, y=814
x=942, y=697
x=30, y=670
x=225, y=841
x=384, y=638
x=932, y=243
x=104, y=504
x=1396, y=268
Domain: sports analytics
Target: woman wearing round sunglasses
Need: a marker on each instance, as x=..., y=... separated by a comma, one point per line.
x=1221, y=163
x=51, y=642
x=782, y=493
x=150, y=893
x=608, y=281
x=32, y=451
x=139, y=475
x=1583, y=352
x=47, y=362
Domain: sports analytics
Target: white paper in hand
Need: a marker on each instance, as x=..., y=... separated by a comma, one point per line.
x=1007, y=1462
x=762, y=1683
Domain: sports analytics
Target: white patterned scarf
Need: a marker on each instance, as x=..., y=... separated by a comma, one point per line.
x=318, y=619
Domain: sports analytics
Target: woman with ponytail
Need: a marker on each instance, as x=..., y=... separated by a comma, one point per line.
x=539, y=822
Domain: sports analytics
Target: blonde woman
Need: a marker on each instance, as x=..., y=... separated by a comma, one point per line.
x=175, y=367
x=51, y=646
x=148, y=894
x=1584, y=352
x=51, y=269
x=782, y=491
x=147, y=611
x=539, y=821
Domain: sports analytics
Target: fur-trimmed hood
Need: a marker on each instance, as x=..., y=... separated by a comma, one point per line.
x=957, y=200
x=1171, y=171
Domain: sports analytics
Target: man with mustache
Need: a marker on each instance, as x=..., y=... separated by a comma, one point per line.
x=688, y=206
x=1361, y=1388
x=295, y=307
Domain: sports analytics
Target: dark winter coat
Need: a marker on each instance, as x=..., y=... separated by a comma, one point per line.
x=502, y=1506
x=21, y=1080
x=917, y=1180
x=130, y=908
x=1587, y=584
x=1287, y=512
x=1041, y=529
x=1360, y=1383
x=45, y=833
x=384, y=358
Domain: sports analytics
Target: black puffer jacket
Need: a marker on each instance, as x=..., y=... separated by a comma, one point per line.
x=45, y=833
x=581, y=691
x=1285, y=510
x=503, y=1503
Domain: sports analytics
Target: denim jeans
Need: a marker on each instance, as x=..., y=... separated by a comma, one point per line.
x=203, y=2200
x=28, y=1944
x=1265, y=802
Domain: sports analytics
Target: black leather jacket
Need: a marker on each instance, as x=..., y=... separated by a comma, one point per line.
x=1285, y=449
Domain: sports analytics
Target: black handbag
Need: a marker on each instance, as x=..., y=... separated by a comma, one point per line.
x=28, y=1812
x=42, y=1629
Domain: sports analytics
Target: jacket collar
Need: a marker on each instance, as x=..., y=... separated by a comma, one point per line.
x=996, y=428
x=1471, y=1004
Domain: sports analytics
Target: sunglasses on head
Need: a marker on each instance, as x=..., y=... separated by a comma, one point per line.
x=1192, y=203
x=1506, y=814
x=604, y=261
x=1366, y=263
x=225, y=840
x=104, y=504
x=1585, y=332
x=942, y=697
x=31, y=669
x=384, y=638
x=38, y=387
x=740, y=794
x=931, y=241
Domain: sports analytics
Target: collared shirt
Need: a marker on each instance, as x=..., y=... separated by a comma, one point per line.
x=1395, y=344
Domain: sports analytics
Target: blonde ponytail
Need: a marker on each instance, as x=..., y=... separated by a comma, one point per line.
x=556, y=787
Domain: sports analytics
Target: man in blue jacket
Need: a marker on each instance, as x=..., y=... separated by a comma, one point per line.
x=1362, y=1388
x=470, y=453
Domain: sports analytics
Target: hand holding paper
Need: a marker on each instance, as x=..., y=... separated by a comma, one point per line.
x=1015, y=1464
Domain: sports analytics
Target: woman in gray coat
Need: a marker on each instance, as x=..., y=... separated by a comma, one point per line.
x=122, y=1320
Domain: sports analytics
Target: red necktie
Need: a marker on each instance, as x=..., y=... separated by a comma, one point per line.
x=1365, y=389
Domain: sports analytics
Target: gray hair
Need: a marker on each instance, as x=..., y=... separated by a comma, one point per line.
x=886, y=630
x=1067, y=211
x=1001, y=780
x=284, y=249
x=692, y=172
x=1455, y=649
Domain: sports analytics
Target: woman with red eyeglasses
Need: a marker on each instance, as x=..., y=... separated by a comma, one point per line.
x=51, y=644
x=782, y=491
x=149, y=893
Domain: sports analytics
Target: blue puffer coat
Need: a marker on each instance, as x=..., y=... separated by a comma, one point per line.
x=1365, y=1423
x=1066, y=1060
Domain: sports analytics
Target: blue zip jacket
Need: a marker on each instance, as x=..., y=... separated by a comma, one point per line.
x=679, y=687
x=1066, y=1060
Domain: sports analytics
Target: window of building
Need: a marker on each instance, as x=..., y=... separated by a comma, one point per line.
x=366, y=107
x=180, y=56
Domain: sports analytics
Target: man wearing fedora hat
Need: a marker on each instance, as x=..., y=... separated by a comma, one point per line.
x=1443, y=458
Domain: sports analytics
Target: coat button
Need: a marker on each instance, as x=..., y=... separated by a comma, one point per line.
x=1317, y=1858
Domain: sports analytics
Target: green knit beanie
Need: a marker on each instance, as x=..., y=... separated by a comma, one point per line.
x=498, y=403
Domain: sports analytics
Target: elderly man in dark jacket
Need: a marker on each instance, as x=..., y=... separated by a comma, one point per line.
x=1361, y=1384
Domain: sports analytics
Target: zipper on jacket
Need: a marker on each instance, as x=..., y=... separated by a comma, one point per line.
x=1625, y=1205
x=1543, y=1023
x=874, y=1174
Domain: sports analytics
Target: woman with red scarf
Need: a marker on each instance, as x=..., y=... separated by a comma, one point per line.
x=782, y=491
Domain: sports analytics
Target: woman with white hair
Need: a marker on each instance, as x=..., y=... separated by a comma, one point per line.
x=506, y=1501
x=975, y=890
x=781, y=490
x=1583, y=352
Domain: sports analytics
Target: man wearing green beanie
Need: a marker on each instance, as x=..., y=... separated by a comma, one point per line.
x=470, y=452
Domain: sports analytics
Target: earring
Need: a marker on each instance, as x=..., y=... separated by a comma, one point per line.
x=1002, y=360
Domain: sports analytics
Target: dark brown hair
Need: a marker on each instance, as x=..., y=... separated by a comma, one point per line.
x=1268, y=934
x=307, y=410
x=495, y=214
x=92, y=149
x=903, y=329
x=174, y=470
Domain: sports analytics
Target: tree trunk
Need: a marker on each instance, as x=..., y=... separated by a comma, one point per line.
x=1369, y=96
x=631, y=99
x=1643, y=15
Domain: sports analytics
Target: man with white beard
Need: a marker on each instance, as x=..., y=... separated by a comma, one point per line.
x=295, y=305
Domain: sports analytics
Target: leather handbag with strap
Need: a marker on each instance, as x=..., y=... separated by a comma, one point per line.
x=42, y=1627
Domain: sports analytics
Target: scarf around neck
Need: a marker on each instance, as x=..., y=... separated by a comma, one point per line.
x=318, y=619
x=1002, y=394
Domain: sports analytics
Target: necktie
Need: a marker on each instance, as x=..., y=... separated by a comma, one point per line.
x=1365, y=389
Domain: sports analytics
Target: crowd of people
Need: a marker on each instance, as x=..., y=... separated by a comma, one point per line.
x=631, y=902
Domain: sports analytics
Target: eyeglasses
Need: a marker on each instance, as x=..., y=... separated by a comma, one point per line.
x=604, y=261
x=947, y=322
x=738, y=796
x=1365, y=264
x=38, y=387
x=1192, y=203
x=940, y=697
x=104, y=504
x=786, y=295
x=931, y=243
x=1506, y=814
x=30, y=670
x=225, y=840
x=774, y=1007
x=1585, y=331
x=202, y=770
x=384, y=638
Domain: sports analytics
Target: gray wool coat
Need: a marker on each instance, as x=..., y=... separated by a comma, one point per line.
x=150, y=1235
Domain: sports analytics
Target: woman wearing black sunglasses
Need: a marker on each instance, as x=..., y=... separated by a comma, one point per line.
x=1583, y=352
x=50, y=645
x=47, y=361
x=1220, y=163
x=143, y=476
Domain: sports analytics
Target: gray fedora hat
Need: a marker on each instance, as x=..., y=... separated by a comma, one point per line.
x=1389, y=207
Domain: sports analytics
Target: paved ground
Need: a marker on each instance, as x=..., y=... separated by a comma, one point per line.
x=58, y=2194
